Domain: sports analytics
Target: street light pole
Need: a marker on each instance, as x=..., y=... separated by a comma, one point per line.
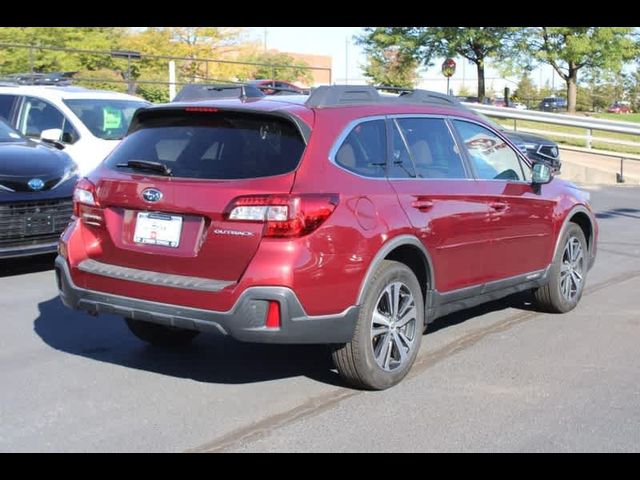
x=346, y=66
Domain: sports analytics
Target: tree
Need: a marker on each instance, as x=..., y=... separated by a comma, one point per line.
x=392, y=67
x=571, y=49
x=526, y=90
x=278, y=66
x=193, y=43
x=463, y=91
x=20, y=60
x=423, y=44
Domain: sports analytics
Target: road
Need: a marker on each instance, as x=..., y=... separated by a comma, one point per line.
x=500, y=377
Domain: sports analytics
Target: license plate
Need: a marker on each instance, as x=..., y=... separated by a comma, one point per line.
x=158, y=229
x=39, y=224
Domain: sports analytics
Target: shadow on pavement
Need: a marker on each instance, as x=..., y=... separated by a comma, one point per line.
x=210, y=358
x=23, y=265
x=619, y=212
x=520, y=301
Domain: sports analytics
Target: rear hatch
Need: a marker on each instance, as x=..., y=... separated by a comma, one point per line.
x=164, y=193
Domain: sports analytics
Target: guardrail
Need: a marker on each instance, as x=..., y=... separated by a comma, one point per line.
x=589, y=124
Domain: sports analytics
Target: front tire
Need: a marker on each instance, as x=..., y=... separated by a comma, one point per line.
x=160, y=335
x=388, y=331
x=567, y=275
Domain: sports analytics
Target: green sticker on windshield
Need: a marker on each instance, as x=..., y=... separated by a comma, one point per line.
x=111, y=118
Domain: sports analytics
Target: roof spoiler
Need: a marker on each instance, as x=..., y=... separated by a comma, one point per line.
x=199, y=91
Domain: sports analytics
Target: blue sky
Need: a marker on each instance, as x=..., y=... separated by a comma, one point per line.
x=334, y=41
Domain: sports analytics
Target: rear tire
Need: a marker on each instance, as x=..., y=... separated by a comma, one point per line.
x=567, y=275
x=388, y=331
x=160, y=335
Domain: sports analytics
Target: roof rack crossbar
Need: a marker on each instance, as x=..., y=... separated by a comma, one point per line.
x=334, y=95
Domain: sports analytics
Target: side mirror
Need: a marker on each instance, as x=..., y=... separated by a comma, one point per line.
x=52, y=134
x=541, y=174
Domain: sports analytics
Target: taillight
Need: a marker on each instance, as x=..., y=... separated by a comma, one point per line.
x=85, y=204
x=284, y=215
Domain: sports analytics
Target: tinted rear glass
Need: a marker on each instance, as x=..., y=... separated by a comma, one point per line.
x=214, y=145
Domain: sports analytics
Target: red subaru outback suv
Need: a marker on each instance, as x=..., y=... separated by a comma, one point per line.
x=346, y=217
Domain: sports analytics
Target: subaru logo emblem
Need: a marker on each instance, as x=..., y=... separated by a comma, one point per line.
x=152, y=195
x=35, y=184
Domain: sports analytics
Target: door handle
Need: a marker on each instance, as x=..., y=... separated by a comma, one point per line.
x=497, y=206
x=422, y=205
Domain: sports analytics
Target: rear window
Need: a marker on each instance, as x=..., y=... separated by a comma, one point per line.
x=207, y=145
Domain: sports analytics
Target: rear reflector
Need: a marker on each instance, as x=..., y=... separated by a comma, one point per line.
x=273, y=315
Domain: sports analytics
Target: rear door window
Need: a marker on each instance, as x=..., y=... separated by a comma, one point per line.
x=221, y=145
x=432, y=149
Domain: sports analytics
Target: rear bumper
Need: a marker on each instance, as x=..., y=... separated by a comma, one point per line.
x=245, y=321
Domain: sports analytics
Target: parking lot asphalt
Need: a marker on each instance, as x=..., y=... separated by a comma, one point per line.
x=499, y=377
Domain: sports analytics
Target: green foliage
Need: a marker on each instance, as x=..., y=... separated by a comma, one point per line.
x=18, y=60
x=463, y=91
x=391, y=68
x=280, y=66
x=415, y=46
x=154, y=93
x=102, y=79
x=572, y=49
x=526, y=90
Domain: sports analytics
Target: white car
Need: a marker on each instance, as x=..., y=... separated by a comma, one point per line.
x=518, y=106
x=89, y=123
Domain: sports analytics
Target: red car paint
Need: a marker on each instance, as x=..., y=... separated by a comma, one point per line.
x=475, y=230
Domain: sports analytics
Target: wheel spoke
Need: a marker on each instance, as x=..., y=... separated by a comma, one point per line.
x=380, y=319
x=388, y=296
x=404, y=339
x=380, y=351
x=407, y=317
x=575, y=285
x=577, y=276
x=396, y=299
x=565, y=285
x=408, y=303
x=400, y=348
x=378, y=331
x=387, y=357
x=577, y=250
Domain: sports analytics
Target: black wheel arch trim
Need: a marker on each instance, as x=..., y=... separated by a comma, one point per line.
x=386, y=249
x=565, y=224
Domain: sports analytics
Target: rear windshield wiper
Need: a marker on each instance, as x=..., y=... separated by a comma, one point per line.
x=146, y=165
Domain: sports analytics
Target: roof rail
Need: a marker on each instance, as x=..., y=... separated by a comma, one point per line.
x=200, y=91
x=53, y=78
x=335, y=95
